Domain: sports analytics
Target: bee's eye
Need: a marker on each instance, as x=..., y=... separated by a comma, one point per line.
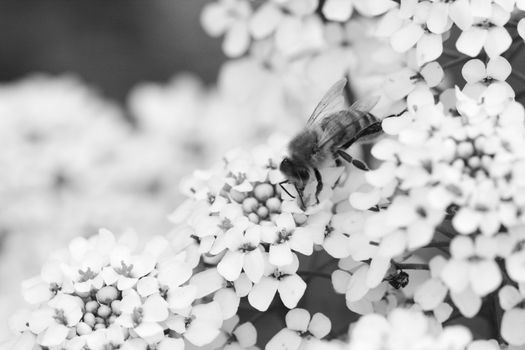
x=286, y=166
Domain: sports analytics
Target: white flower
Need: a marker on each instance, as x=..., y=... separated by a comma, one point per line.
x=202, y=324
x=487, y=32
x=229, y=17
x=282, y=279
x=299, y=330
x=478, y=76
x=441, y=11
x=53, y=324
x=126, y=268
x=285, y=238
x=265, y=20
x=471, y=272
x=334, y=232
x=243, y=254
x=143, y=316
x=351, y=280
x=510, y=326
x=405, y=34
x=430, y=294
x=296, y=35
x=401, y=83
x=403, y=329
x=236, y=336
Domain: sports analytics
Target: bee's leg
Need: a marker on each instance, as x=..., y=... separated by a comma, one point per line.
x=319, y=186
x=355, y=162
x=396, y=115
x=284, y=189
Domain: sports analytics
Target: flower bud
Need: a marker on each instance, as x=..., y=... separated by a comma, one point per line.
x=263, y=191
x=100, y=326
x=299, y=218
x=273, y=204
x=116, y=306
x=92, y=306
x=474, y=162
x=237, y=196
x=83, y=328
x=250, y=204
x=107, y=294
x=89, y=318
x=253, y=218
x=262, y=212
x=104, y=311
x=72, y=333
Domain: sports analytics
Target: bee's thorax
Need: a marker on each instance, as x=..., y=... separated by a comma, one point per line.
x=304, y=146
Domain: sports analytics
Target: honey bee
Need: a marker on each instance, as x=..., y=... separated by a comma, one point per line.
x=331, y=129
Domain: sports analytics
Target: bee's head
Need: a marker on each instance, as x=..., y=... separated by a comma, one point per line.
x=294, y=170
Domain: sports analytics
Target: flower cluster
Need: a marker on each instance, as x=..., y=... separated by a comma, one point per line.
x=409, y=329
x=102, y=293
x=434, y=234
x=241, y=220
x=460, y=166
x=65, y=151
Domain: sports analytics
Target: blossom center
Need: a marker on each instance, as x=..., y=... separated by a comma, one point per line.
x=283, y=236
x=226, y=224
x=60, y=317
x=86, y=275
x=124, y=270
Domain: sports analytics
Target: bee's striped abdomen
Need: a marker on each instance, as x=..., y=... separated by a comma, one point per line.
x=367, y=120
x=370, y=126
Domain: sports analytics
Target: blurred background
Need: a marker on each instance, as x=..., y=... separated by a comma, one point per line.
x=112, y=45
x=93, y=115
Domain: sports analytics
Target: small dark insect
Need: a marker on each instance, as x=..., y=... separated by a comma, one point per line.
x=330, y=130
x=398, y=280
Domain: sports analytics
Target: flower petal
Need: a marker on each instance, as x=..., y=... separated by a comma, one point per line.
x=284, y=339
x=471, y=41
x=291, y=290
x=231, y=264
x=512, y=326
x=320, y=325
x=262, y=293
x=406, y=37
x=467, y=302
x=298, y=319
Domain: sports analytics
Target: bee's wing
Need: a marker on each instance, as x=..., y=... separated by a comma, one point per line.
x=365, y=105
x=331, y=102
x=345, y=126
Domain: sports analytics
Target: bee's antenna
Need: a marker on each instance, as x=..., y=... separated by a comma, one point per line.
x=284, y=189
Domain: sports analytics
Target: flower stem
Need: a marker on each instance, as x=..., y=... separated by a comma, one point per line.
x=451, y=53
x=314, y=274
x=445, y=233
x=411, y=266
x=437, y=245
x=456, y=62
